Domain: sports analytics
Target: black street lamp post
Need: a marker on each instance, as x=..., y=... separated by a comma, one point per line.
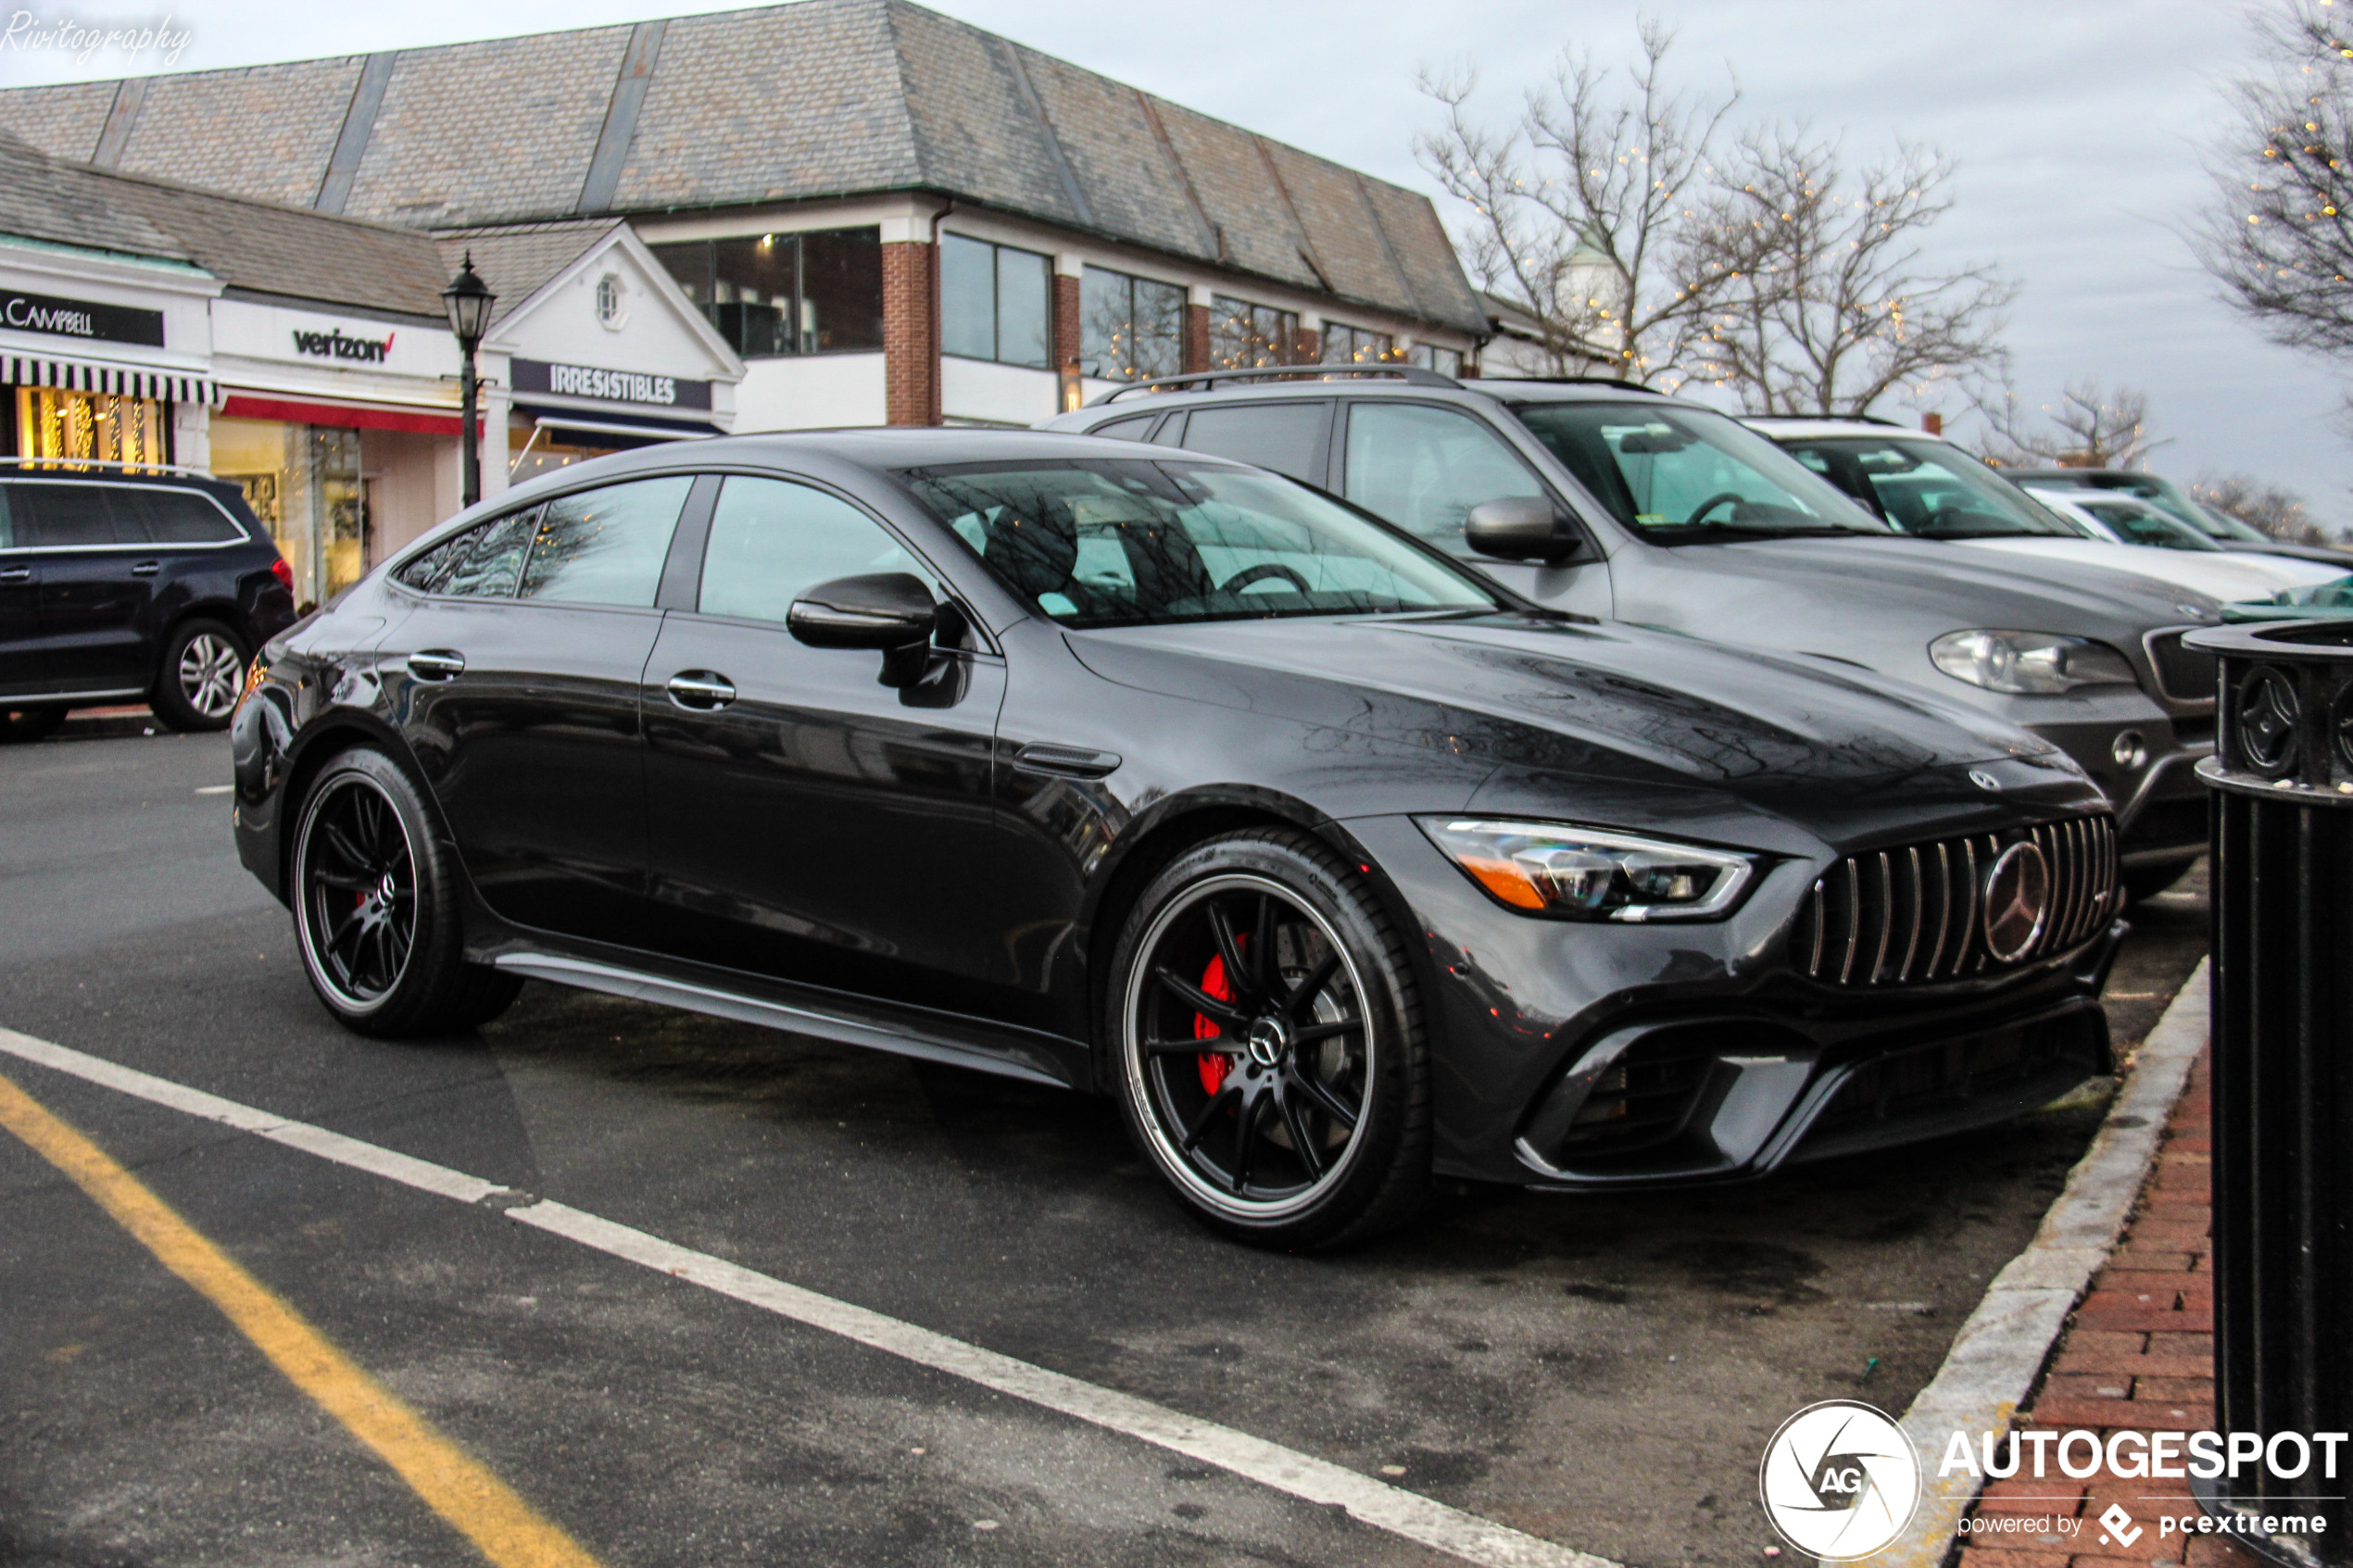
x=468, y=299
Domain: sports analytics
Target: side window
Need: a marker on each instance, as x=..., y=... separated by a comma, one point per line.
x=428, y=572
x=182, y=517
x=489, y=568
x=62, y=516
x=605, y=547
x=772, y=541
x=1424, y=469
x=1127, y=430
x=1286, y=437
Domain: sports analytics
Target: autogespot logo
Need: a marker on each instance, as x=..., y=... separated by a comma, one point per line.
x=1840, y=1480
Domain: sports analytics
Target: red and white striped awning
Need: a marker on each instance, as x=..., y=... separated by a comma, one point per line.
x=97, y=375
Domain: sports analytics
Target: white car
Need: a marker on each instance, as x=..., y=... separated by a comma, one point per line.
x=2198, y=561
x=1924, y=484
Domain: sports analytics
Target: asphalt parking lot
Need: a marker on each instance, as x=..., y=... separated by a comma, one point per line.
x=1600, y=1373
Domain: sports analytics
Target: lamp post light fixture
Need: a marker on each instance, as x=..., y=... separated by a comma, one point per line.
x=468, y=299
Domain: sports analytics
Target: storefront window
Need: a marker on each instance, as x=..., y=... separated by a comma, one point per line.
x=303, y=482
x=1129, y=329
x=1354, y=346
x=994, y=301
x=94, y=426
x=1243, y=336
x=1445, y=361
x=786, y=294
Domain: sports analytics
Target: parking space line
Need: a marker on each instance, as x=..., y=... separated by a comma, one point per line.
x=1392, y=1509
x=506, y=1529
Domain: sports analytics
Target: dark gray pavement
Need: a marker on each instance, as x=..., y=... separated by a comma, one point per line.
x=1602, y=1372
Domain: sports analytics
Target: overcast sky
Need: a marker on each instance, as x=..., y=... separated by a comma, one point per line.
x=2079, y=128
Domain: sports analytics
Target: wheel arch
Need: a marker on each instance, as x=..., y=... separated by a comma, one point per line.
x=322, y=740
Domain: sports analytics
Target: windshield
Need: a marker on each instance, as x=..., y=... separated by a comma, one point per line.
x=2138, y=524
x=1929, y=488
x=1099, y=542
x=1679, y=475
x=2159, y=493
x=2216, y=523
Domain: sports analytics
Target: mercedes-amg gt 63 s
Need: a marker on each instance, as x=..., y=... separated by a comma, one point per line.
x=1151, y=774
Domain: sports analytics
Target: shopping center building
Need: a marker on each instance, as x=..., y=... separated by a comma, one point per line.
x=884, y=215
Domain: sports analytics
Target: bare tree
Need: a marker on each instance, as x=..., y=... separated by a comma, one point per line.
x=2279, y=235
x=2090, y=428
x=1821, y=302
x=2279, y=512
x=1580, y=203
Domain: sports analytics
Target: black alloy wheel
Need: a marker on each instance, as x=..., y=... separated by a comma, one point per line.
x=1271, y=1059
x=200, y=677
x=376, y=908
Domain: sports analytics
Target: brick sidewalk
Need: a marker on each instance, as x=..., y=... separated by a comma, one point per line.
x=2138, y=1355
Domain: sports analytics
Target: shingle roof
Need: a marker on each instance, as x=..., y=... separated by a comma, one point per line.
x=518, y=260
x=817, y=98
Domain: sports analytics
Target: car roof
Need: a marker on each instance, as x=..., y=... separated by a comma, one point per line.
x=1500, y=390
x=1799, y=427
x=2074, y=495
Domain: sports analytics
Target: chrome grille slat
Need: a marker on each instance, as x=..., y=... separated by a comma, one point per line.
x=1841, y=941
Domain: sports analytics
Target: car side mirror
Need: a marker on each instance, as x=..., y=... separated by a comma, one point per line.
x=1520, y=528
x=889, y=611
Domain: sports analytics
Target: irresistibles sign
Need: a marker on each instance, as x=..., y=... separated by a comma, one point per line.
x=612, y=386
x=80, y=318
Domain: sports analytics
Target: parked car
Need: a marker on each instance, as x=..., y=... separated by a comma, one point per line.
x=1619, y=502
x=1140, y=771
x=1925, y=485
x=2216, y=524
x=2127, y=520
x=128, y=585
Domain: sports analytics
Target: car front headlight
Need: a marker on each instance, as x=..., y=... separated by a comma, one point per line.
x=2028, y=663
x=1586, y=874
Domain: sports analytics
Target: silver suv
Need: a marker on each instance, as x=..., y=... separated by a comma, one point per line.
x=1614, y=500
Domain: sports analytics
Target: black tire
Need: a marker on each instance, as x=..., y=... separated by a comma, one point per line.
x=391, y=963
x=1238, y=1083
x=199, y=676
x=19, y=725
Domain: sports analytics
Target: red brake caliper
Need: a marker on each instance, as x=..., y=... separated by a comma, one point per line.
x=1213, y=1068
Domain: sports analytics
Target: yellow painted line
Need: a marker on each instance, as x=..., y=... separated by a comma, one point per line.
x=506, y=1529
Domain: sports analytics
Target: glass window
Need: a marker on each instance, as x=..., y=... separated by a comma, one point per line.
x=1129, y=329
x=1127, y=430
x=99, y=425
x=2139, y=524
x=605, y=547
x=428, y=572
x=63, y=517
x=1445, y=361
x=1929, y=488
x=487, y=568
x=1243, y=336
x=1425, y=468
x=768, y=295
x=773, y=541
x=1354, y=346
x=1683, y=474
x=1135, y=542
x=1286, y=437
x=182, y=517
x=995, y=302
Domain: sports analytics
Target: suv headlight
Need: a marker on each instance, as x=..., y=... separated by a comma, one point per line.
x=1585, y=874
x=2028, y=663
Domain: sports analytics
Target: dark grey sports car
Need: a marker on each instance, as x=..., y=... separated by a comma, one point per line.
x=1154, y=776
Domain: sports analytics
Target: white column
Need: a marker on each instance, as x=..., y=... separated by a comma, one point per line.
x=497, y=404
x=192, y=436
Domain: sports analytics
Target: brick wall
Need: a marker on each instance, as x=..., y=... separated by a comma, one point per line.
x=1195, y=338
x=911, y=333
x=1307, y=348
x=1066, y=330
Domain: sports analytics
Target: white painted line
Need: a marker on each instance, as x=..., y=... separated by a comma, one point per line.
x=2000, y=1350
x=1393, y=1509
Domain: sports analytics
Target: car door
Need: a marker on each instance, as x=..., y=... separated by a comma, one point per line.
x=1424, y=466
x=95, y=586
x=521, y=665
x=808, y=821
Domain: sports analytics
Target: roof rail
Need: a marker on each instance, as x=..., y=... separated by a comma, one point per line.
x=1580, y=380
x=1207, y=381
x=1825, y=419
x=104, y=465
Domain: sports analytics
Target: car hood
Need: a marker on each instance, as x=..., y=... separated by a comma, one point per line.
x=1937, y=585
x=2214, y=573
x=1631, y=704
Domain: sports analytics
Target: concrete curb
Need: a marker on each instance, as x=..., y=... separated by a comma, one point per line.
x=2000, y=1350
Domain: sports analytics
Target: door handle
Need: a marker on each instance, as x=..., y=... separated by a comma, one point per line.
x=16, y=574
x=437, y=664
x=703, y=690
x=146, y=569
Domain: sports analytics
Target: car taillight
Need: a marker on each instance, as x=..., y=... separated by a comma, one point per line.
x=283, y=573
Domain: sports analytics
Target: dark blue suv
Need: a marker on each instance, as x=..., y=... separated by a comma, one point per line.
x=121, y=585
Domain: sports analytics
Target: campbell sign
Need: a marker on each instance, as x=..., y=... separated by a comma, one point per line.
x=612, y=386
x=80, y=318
